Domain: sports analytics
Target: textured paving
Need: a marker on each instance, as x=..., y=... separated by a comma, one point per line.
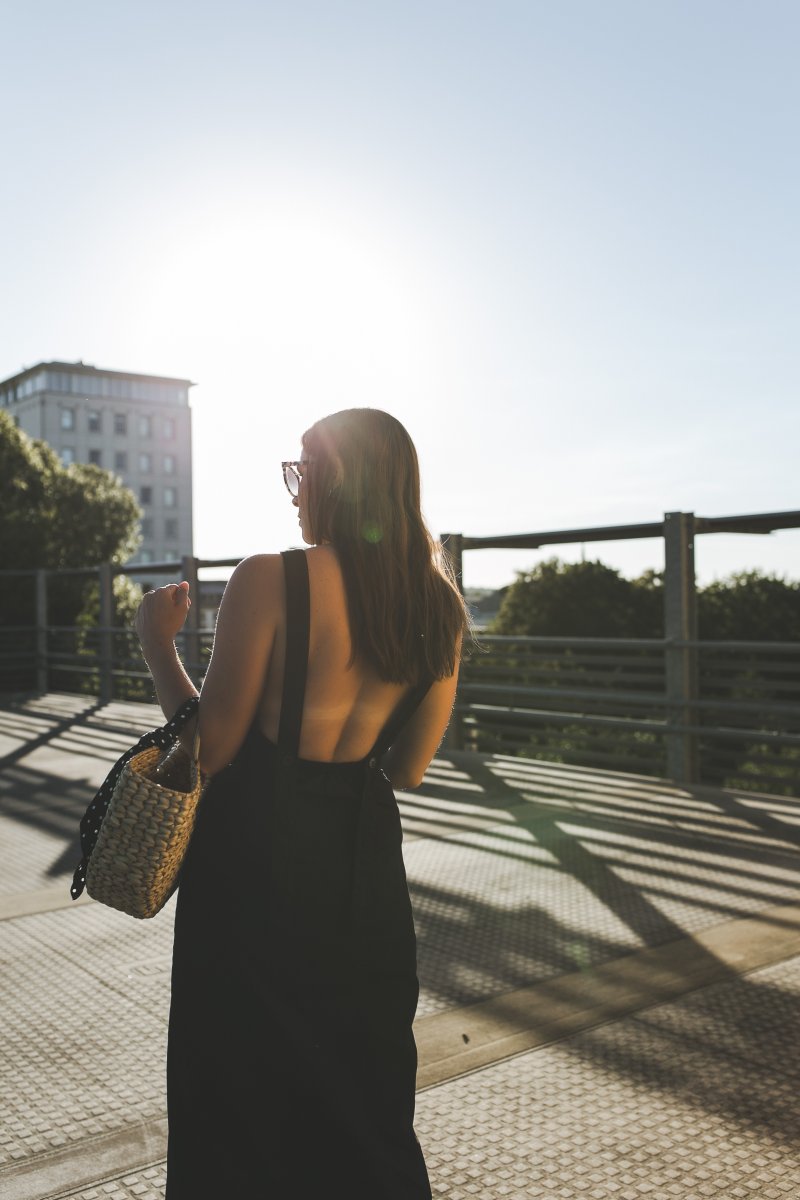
x=569, y=869
x=696, y=1098
x=84, y=1035
x=147, y=1184
x=54, y=754
x=520, y=873
x=643, y=1108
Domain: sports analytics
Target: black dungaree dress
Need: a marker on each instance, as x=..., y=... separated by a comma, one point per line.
x=291, y=1063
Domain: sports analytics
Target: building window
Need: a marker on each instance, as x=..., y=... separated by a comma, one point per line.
x=145, y=427
x=171, y=527
x=68, y=418
x=120, y=423
x=169, y=427
x=171, y=554
x=145, y=495
x=170, y=497
x=96, y=457
x=67, y=456
x=169, y=464
x=147, y=527
x=120, y=460
x=145, y=556
x=145, y=464
x=95, y=421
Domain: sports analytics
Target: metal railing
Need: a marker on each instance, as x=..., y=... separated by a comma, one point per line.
x=594, y=702
x=102, y=659
x=716, y=712
x=606, y=703
x=724, y=713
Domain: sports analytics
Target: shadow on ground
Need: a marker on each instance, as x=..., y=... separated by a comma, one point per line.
x=520, y=872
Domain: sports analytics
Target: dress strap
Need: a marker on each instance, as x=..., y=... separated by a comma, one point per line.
x=407, y=706
x=295, y=669
x=359, y=906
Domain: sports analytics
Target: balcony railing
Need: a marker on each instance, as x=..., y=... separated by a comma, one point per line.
x=594, y=702
x=605, y=703
x=722, y=713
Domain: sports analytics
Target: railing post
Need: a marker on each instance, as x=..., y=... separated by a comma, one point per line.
x=106, y=584
x=680, y=626
x=191, y=629
x=41, y=632
x=454, y=545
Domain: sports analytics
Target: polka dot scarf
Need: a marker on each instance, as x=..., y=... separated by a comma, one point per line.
x=165, y=737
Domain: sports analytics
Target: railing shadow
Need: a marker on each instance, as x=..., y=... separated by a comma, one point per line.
x=590, y=866
x=71, y=743
x=520, y=872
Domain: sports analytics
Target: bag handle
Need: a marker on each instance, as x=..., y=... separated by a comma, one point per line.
x=164, y=737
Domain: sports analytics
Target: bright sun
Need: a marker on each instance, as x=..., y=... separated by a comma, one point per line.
x=313, y=297
x=283, y=313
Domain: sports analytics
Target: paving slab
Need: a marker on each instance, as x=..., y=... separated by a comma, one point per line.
x=636, y=1109
x=561, y=916
x=647, y=1108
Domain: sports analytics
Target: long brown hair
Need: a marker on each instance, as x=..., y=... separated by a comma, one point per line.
x=363, y=496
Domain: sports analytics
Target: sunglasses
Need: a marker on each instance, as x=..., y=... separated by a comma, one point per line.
x=292, y=474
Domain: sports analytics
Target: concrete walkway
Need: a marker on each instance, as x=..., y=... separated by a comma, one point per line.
x=609, y=969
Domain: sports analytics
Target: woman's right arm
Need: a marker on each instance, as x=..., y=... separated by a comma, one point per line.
x=407, y=760
x=243, y=640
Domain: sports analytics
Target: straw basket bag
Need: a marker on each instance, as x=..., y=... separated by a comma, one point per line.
x=136, y=832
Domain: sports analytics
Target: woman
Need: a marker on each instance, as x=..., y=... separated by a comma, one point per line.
x=291, y=1062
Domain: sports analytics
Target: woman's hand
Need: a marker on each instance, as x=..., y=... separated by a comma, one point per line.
x=162, y=614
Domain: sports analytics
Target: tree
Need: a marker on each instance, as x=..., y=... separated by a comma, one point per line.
x=750, y=607
x=590, y=599
x=55, y=516
x=586, y=599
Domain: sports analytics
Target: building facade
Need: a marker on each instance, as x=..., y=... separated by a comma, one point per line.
x=136, y=426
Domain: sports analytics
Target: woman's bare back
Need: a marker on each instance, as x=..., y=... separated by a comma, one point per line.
x=346, y=707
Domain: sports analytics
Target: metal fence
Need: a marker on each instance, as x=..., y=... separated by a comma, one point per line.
x=101, y=658
x=594, y=702
x=605, y=703
x=722, y=713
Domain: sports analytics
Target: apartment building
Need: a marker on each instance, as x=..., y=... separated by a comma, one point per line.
x=137, y=426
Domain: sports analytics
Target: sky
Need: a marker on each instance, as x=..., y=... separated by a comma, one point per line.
x=557, y=240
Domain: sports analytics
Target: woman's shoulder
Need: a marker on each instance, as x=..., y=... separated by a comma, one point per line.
x=267, y=570
x=270, y=565
x=263, y=571
x=255, y=564
x=324, y=551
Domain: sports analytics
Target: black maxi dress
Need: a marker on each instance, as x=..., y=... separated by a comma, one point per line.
x=291, y=1062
